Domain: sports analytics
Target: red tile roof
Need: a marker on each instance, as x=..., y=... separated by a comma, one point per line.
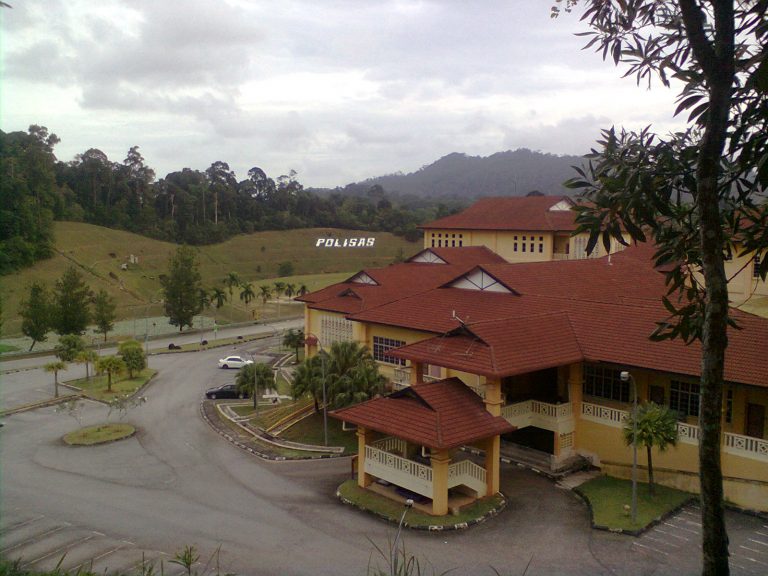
x=439, y=415
x=465, y=256
x=530, y=213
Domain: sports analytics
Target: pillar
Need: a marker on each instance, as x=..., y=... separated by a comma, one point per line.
x=417, y=373
x=364, y=437
x=575, y=395
x=492, y=447
x=493, y=399
x=440, y=460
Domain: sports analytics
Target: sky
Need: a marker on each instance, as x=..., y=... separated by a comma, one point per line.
x=337, y=90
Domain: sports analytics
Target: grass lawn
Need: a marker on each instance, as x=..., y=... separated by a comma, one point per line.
x=270, y=415
x=393, y=510
x=609, y=496
x=310, y=431
x=99, y=434
x=96, y=386
x=7, y=348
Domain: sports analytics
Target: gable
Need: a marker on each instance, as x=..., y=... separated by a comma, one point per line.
x=363, y=278
x=479, y=279
x=427, y=257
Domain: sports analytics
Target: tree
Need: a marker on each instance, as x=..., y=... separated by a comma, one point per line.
x=694, y=193
x=104, y=312
x=181, y=287
x=133, y=356
x=218, y=297
x=265, y=292
x=110, y=365
x=231, y=281
x=55, y=367
x=308, y=378
x=247, y=294
x=302, y=290
x=352, y=374
x=86, y=357
x=69, y=346
x=35, y=314
x=656, y=427
x=285, y=269
x=290, y=289
x=251, y=377
x=70, y=309
x=279, y=288
x=294, y=339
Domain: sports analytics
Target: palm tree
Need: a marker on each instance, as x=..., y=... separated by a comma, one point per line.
x=308, y=378
x=218, y=298
x=247, y=294
x=656, y=427
x=279, y=288
x=86, y=357
x=231, y=281
x=352, y=374
x=265, y=292
x=56, y=367
x=111, y=365
x=290, y=289
x=294, y=339
x=253, y=377
x=302, y=290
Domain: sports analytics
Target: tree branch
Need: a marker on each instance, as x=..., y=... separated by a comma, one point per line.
x=693, y=19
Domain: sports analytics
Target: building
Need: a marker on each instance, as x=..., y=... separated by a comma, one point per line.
x=520, y=229
x=540, y=346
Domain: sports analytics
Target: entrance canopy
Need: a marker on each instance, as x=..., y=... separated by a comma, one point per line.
x=439, y=415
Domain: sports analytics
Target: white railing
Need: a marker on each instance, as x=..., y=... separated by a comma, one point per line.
x=560, y=256
x=555, y=417
x=400, y=471
x=402, y=376
x=428, y=378
x=391, y=444
x=603, y=414
x=746, y=446
x=469, y=474
x=688, y=434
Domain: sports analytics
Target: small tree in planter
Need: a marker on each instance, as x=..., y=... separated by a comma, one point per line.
x=656, y=427
x=110, y=365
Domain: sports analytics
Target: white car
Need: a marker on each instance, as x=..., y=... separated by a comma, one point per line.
x=233, y=362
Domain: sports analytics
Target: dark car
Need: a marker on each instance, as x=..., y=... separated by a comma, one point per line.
x=225, y=391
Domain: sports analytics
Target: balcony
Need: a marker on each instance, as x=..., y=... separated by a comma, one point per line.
x=736, y=444
x=401, y=377
x=382, y=461
x=557, y=418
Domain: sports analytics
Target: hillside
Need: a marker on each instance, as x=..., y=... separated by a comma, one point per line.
x=510, y=173
x=99, y=253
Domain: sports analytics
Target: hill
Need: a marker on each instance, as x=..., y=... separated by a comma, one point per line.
x=99, y=253
x=510, y=173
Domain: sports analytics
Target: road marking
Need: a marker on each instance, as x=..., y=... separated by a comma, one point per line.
x=682, y=528
x=91, y=561
x=665, y=542
x=650, y=548
x=753, y=559
x=671, y=534
x=759, y=542
x=33, y=539
x=57, y=550
x=20, y=524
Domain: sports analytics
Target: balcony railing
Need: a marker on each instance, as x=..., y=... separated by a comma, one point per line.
x=555, y=417
x=736, y=444
x=467, y=473
x=402, y=377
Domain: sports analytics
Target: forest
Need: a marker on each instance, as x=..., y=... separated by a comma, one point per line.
x=187, y=206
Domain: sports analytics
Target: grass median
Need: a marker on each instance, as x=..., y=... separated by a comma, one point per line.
x=96, y=386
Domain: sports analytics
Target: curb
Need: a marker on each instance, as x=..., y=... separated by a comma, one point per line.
x=131, y=435
x=42, y=404
x=263, y=455
x=635, y=533
x=429, y=527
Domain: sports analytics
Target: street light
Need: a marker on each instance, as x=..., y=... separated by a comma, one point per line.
x=310, y=340
x=627, y=377
x=393, y=562
x=255, y=384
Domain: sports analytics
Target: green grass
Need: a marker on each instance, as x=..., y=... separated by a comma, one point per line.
x=393, y=510
x=255, y=258
x=96, y=386
x=7, y=348
x=99, y=434
x=310, y=431
x=272, y=414
x=610, y=499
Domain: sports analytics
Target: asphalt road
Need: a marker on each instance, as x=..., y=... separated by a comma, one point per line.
x=179, y=483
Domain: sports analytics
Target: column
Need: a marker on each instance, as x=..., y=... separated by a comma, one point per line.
x=417, y=373
x=493, y=399
x=575, y=395
x=440, y=461
x=492, y=458
x=364, y=437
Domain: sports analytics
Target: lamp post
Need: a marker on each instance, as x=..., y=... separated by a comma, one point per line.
x=393, y=559
x=255, y=385
x=627, y=377
x=310, y=340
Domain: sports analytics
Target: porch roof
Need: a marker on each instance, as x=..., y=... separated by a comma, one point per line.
x=439, y=415
x=501, y=348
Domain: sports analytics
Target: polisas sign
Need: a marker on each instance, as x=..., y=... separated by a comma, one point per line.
x=345, y=242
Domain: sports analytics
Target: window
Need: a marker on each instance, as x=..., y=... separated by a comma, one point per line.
x=756, y=266
x=383, y=345
x=541, y=244
x=604, y=382
x=684, y=398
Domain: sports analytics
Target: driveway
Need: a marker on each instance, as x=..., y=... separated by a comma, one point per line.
x=178, y=483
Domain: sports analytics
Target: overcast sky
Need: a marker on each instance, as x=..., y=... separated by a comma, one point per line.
x=337, y=90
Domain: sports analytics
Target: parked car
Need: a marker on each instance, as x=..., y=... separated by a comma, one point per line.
x=233, y=362
x=225, y=391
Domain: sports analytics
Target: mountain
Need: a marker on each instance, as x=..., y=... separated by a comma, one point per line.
x=510, y=173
